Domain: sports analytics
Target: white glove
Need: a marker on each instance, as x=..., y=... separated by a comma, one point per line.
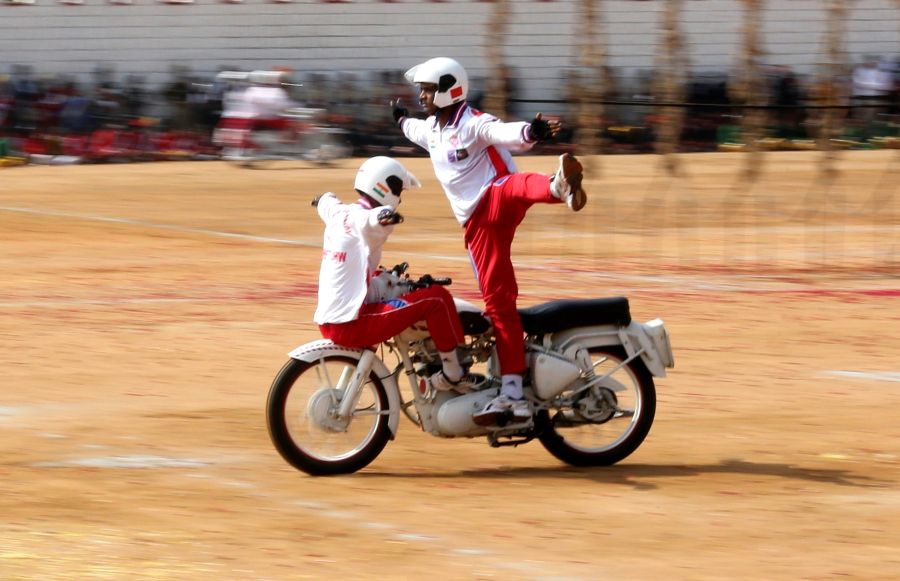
x=384, y=286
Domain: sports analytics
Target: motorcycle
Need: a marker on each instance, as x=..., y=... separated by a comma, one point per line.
x=590, y=380
x=305, y=136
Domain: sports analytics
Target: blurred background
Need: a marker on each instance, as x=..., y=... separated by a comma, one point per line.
x=111, y=80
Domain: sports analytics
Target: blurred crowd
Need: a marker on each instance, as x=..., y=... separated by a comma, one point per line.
x=56, y=115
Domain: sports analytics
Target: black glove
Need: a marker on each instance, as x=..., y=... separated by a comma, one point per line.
x=387, y=217
x=399, y=111
x=400, y=268
x=540, y=129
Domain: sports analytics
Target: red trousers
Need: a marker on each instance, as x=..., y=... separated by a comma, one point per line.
x=378, y=322
x=489, y=237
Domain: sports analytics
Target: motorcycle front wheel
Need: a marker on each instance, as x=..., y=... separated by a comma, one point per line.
x=607, y=424
x=304, y=427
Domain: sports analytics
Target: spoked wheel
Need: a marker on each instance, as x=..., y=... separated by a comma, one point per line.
x=304, y=425
x=609, y=421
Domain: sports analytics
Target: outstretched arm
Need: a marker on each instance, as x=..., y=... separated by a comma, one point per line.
x=414, y=129
x=518, y=136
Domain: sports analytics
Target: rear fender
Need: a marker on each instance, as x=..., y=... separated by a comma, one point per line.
x=310, y=352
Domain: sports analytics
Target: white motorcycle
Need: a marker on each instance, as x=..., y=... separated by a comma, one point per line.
x=332, y=409
x=306, y=137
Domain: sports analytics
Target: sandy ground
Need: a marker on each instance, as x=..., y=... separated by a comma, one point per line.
x=145, y=309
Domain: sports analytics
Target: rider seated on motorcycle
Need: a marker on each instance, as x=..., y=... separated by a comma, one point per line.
x=355, y=306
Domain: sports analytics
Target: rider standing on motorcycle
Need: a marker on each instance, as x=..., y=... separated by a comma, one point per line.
x=267, y=100
x=357, y=305
x=252, y=102
x=470, y=151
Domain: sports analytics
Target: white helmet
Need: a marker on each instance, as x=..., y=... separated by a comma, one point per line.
x=449, y=76
x=383, y=179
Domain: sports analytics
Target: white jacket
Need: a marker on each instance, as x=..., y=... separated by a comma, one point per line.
x=469, y=153
x=351, y=252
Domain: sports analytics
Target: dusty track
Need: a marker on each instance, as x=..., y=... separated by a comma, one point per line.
x=144, y=310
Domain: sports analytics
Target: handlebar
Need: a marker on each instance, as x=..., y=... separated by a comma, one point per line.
x=426, y=280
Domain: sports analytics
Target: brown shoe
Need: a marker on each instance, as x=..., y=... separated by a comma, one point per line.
x=567, y=182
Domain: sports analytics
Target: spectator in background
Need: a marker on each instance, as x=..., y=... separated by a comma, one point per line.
x=786, y=93
x=176, y=94
x=25, y=94
x=872, y=86
x=6, y=101
x=134, y=97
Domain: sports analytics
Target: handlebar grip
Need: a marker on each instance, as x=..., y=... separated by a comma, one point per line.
x=443, y=280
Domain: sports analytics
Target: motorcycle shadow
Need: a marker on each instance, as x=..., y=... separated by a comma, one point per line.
x=643, y=476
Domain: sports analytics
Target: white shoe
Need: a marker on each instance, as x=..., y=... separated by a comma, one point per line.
x=515, y=411
x=467, y=383
x=566, y=183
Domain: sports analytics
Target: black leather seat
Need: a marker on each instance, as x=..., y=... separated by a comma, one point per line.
x=567, y=313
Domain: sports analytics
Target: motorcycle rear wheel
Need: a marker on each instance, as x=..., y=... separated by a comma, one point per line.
x=609, y=438
x=306, y=434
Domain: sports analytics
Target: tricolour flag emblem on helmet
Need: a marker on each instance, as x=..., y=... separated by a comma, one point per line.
x=381, y=189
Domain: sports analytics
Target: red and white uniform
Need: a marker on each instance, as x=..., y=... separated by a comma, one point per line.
x=472, y=160
x=266, y=102
x=351, y=253
x=255, y=107
x=469, y=153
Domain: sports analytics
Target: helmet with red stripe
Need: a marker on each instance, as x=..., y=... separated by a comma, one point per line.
x=449, y=76
x=383, y=179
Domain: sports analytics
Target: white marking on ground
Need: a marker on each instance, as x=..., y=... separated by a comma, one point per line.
x=310, y=504
x=8, y=411
x=401, y=533
x=376, y=525
x=158, y=226
x=240, y=484
x=721, y=282
x=139, y=462
x=873, y=375
x=716, y=230
x=316, y=242
x=415, y=537
x=103, y=302
x=472, y=552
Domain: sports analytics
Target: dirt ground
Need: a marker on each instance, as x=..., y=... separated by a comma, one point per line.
x=145, y=309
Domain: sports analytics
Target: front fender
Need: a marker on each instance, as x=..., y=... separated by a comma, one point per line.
x=310, y=352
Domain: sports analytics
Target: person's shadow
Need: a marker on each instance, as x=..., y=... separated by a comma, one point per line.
x=641, y=476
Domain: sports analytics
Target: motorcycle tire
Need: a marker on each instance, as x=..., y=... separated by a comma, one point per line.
x=304, y=433
x=608, y=443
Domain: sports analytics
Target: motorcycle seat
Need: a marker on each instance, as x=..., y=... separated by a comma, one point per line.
x=563, y=314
